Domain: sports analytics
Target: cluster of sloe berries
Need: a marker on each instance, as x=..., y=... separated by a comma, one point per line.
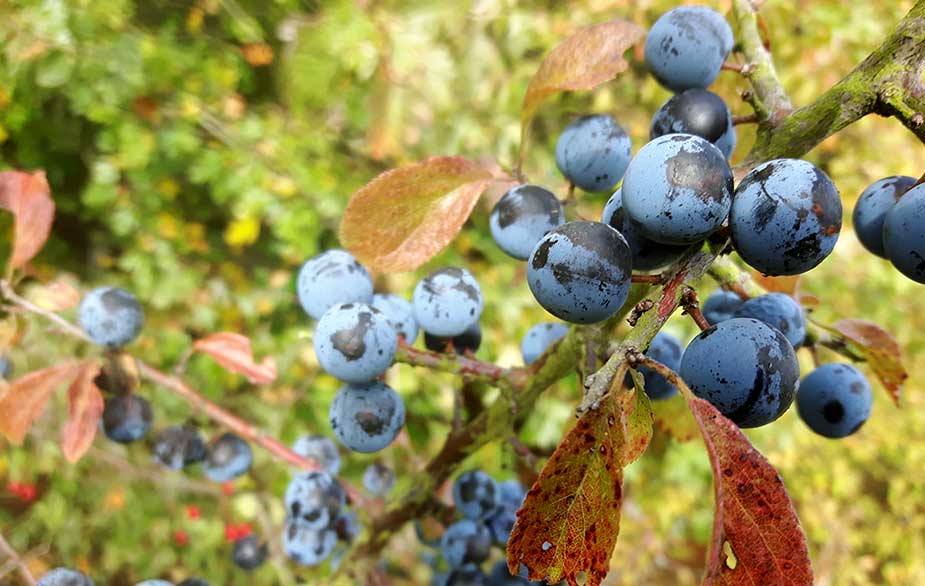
x=113, y=318
x=489, y=510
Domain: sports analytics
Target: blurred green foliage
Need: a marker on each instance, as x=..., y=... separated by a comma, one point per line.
x=199, y=150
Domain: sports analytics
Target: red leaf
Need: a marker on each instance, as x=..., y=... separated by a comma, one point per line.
x=880, y=349
x=233, y=352
x=570, y=519
x=754, y=514
x=85, y=407
x=25, y=399
x=28, y=197
x=405, y=216
x=588, y=58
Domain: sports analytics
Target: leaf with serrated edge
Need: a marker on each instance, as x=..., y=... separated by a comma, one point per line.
x=569, y=522
x=28, y=197
x=26, y=396
x=233, y=352
x=880, y=348
x=405, y=216
x=588, y=58
x=754, y=514
x=85, y=407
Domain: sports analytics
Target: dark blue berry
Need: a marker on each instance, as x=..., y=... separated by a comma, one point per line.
x=871, y=209
x=305, y=545
x=64, y=577
x=366, y=418
x=687, y=46
x=126, y=418
x=835, y=400
x=379, y=479
x=316, y=498
x=522, y=216
x=227, y=457
x=400, y=314
x=331, y=278
x=698, y=112
x=785, y=218
x=745, y=368
x=677, y=189
x=112, y=317
x=468, y=341
x=447, y=302
x=475, y=495
x=355, y=342
x=248, y=553
x=721, y=305
x=648, y=254
x=539, y=337
x=779, y=311
x=593, y=152
x=320, y=449
x=666, y=349
x=904, y=235
x=465, y=542
x=581, y=272
x=179, y=446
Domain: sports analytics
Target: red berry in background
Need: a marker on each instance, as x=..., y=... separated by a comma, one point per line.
x=181, y=538
x=227, y=488
x=193, y=512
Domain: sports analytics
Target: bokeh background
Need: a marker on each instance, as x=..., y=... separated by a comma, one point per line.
x=199, y=151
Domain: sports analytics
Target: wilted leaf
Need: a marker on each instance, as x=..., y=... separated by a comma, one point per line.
x=754, y=514
x=673, y=416
x=25, y=399
x=591, y=56
x=55, y=296
x=28, y=197
x=405, y=216
x=85, y=407
x=233, y=351
x=570, y=520
x=881, y=350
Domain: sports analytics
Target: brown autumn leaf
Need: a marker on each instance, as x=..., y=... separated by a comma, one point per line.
x=28, y=197
x=403, y=217
x=12, y=329
x=233, y=352
x=569, y=522
x=85, y=407
x=588, y=58
x=26, y=396
x=754, y=514
x=880, y=349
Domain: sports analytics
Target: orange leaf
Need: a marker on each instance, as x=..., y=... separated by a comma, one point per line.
x=880, y=349
x=85, y=407
x=405, y=216
x=233, y=352
x=28, y=197
x=570, y=520
x=26, y=396
x=591, y=56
